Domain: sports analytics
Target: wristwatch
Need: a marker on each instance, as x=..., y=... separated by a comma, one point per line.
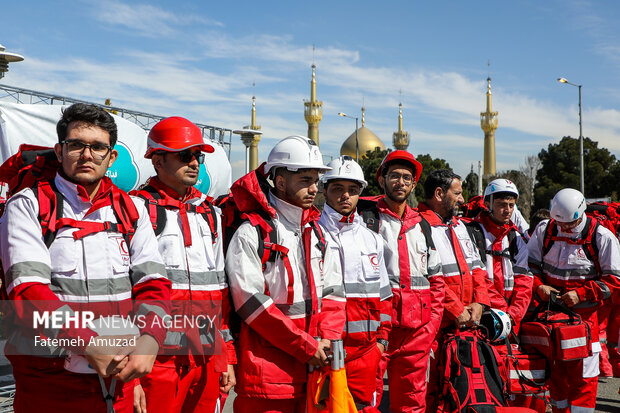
x=383, y=342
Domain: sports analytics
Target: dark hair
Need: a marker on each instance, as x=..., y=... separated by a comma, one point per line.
x=439, y=178
x=501, y=195
x=402, y=162
x=537, y=217
x=90, y=114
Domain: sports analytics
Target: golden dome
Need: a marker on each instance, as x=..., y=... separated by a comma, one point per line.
x=367, y=140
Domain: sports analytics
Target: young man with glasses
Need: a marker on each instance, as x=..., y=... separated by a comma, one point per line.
x=414, y=270
x=103, y=251
x=464, y=273
x=189, y=233
x=578, y=259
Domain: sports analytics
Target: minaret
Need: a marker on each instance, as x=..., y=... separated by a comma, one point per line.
x=313, y=110
x=488, y=122
x=250, y=136
x=401, y=137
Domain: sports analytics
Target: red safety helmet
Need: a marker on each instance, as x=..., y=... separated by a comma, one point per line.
x=175, y=134
x=401, y=155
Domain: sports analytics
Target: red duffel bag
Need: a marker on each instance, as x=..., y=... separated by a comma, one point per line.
x=558, y=333
x=528, y=373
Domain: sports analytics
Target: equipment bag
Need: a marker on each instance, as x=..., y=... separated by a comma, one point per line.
x=527, y=372
x=471, y=381
x=557, y=335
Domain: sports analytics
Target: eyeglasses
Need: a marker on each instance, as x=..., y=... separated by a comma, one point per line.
x=187, y=155
x=394, y=177
x=76, y=148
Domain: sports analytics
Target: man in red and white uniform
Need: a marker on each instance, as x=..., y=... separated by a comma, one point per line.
x=366, y=284
x=414, y=271
x=509, y=275
x=568, y=270
x=506, y=257
x=190, y=243
x=89, y=261
x=463, y=271
x=293, y=305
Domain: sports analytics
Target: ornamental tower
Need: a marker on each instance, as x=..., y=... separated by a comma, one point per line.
x=250, y=136
x=313, y=110
x=488, y=122
x=400, y=138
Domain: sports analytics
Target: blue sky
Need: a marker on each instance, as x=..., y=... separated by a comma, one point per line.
x=198, y=59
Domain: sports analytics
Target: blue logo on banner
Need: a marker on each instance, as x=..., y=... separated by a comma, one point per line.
x=204, y=180
x=124, y=172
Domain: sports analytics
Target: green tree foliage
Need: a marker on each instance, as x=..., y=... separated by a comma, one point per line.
x=560, y=169
x=370, y=163
x=428, y=164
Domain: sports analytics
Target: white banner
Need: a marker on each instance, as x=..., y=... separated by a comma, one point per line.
x=36, y=125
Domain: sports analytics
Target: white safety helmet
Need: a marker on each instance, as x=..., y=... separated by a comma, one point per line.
x=496, y=323
x=344, y=167
x=497, y=186
x=295, y=153
x=567, y=205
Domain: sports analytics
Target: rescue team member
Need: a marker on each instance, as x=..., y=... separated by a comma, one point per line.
x=93, y=268
x=506, y=257
x=190, y=243
x=366, y=283
x=466, y=285
x=414, y=269
x=567, y=270
x=294, y=305
x=509, y=275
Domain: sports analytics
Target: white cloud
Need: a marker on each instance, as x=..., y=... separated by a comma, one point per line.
x=145, y=19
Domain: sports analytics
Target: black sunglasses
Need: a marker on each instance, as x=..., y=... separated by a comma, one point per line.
x=187, y=155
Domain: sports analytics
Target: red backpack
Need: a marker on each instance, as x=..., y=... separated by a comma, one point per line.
x=473, y=207
x=607, y=214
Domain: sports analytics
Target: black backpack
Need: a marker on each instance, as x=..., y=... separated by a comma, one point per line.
x=471, y=381
x=477, y=236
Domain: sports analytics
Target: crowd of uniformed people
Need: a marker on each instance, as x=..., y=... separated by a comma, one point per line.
x=383, y=280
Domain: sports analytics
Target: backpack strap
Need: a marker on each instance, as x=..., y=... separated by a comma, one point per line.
x=513, y=248
x=157, y=214
x=428, y=233
x=318, y=231
x=208, y=214
x=51, y=204
x=477, y=236
x=368, y=211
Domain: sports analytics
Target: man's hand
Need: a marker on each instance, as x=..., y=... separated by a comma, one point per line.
x=570, y=298
x=463, y=319
x=320, y=357
x=475, y=310
x=141, y=359
x=228, y=379
x=381, y=347
x=104, y=360
x=544, y=292
x=139, y=399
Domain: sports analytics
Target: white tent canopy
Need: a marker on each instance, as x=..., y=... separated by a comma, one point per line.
x=36, y=125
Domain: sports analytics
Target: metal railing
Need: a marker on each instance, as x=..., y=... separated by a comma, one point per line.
x=145, y=120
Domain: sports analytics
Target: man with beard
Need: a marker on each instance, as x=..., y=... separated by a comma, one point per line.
x=414, y=270
x=188, y=376
x=465, y=278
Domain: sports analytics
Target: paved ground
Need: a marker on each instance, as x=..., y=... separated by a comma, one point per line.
x=608, y=398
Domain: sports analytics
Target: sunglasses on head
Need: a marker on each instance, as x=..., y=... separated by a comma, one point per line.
x=187, y=155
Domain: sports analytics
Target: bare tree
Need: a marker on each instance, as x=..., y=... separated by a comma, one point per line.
x=531, y=167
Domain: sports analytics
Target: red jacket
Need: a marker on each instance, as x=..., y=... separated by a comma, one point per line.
x=466, y=282
x=285, y=305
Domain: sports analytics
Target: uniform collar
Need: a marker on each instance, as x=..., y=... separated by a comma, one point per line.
x=332, y=220
x=75, y=193
x=164, y=190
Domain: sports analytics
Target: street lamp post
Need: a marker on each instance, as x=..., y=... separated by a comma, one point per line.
x=357, y=146
x=6, y=58
x=582, y=182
